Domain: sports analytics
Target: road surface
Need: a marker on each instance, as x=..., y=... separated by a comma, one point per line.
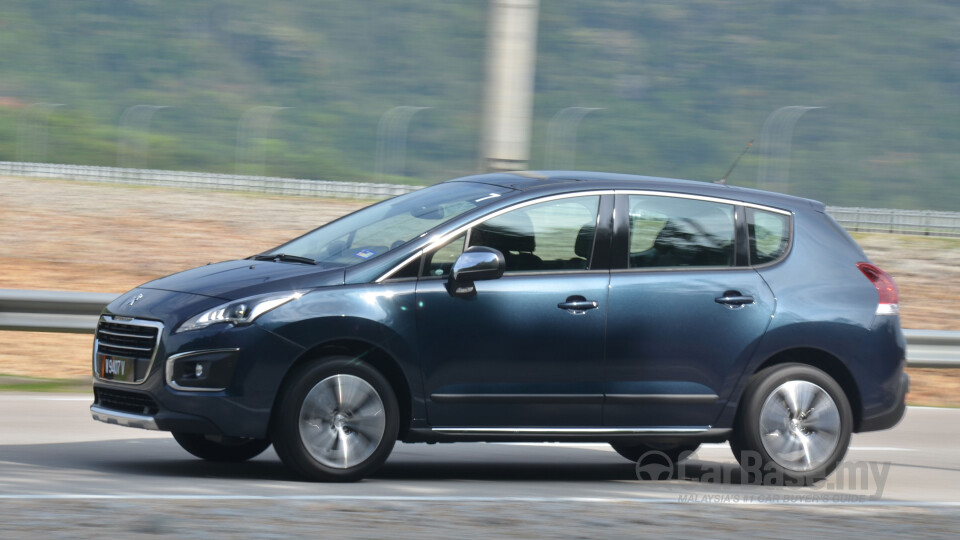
x=64, y=475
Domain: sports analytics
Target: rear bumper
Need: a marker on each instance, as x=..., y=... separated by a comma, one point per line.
x=891, y=417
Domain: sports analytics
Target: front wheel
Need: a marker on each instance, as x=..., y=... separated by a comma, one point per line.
x=793, y=426
x=337, y=420
x=225, y=449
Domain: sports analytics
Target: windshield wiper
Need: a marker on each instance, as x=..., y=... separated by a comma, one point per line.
x=284, y=257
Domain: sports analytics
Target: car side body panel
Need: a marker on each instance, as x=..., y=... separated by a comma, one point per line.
x=659, y=352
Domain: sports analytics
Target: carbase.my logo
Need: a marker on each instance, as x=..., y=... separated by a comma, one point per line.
x=848, y=476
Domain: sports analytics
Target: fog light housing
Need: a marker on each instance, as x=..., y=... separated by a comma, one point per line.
x=202, y=371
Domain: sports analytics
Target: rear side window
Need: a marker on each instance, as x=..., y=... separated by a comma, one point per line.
x=678, y=232
x=769, y=235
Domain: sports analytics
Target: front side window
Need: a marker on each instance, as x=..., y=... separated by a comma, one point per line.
x=676, y=232
x=555, y=235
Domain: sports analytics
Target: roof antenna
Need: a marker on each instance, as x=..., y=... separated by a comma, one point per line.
x=724, y=179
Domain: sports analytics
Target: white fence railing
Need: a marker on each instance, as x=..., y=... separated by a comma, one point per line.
x=196, y=180
x=917, y=222
x=914, y=222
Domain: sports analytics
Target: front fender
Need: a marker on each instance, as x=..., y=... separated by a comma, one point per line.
x=378, y=315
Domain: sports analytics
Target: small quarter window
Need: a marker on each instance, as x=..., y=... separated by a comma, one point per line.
x=769, y=235
x=440, y=262
x=409, y=270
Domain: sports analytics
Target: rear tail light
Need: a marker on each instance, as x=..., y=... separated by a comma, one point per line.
x=887, y=289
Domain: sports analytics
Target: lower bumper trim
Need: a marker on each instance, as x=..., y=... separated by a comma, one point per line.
x=123, y=419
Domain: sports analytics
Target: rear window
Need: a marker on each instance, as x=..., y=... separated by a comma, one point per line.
x=769, y=235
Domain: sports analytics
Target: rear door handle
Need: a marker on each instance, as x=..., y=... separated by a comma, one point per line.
x=734, y=299
x=577, y=304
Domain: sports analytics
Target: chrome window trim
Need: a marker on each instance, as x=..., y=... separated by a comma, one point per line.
x=132, y=322
x=705, y=198
x=440, y=240
x=531, y=273
x=168, y=370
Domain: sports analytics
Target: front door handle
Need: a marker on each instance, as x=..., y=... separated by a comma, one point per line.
x=734, y=299
x=577, y=304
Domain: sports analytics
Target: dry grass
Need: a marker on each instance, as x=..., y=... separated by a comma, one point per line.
x=75, y=236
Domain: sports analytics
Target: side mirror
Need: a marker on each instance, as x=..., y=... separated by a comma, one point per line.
x=477, y=263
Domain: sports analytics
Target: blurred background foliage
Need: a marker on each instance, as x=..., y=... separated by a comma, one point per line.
x=683, y=85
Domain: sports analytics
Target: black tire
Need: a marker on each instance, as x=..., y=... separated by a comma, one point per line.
x=336, y=421
x=223, y=449
x=778, y=442
x=675, y=453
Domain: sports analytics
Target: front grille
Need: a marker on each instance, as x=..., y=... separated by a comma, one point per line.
x=133, y=339
x=121, y=400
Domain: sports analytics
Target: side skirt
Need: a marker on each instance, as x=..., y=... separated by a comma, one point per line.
x=673, y=434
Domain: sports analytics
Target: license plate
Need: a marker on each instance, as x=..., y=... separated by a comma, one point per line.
x=116, y=368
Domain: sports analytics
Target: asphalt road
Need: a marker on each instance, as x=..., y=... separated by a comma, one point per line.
x=64, y=475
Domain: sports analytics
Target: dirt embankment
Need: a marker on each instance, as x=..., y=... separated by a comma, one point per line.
x=74, y=236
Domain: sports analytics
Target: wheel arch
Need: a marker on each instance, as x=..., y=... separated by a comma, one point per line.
x=376, y=356
x=826, y=362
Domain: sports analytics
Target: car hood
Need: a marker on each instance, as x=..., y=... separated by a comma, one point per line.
x=233, y=280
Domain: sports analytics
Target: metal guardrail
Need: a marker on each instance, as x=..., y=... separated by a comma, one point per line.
x=78, y=312
x=933, y=348
x=914, y=222
x=51, y=311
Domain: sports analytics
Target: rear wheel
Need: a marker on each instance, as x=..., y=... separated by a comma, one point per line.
x=226, y=449
x=337, y=420
x=793, y=426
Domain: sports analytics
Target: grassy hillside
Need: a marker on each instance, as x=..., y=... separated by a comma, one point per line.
x=683, y=85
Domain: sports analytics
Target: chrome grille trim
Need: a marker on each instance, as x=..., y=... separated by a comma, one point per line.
x=107, y=339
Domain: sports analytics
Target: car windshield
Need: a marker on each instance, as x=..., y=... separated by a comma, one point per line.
x=380, y=228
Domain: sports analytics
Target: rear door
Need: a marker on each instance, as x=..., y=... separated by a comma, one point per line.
x=685, y=312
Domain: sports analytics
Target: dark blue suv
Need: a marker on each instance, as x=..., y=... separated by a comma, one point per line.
x=649, y=313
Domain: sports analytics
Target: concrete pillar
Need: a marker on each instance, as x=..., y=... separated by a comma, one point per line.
x=511, y=61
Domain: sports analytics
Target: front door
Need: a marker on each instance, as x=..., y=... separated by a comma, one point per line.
x=527, y=349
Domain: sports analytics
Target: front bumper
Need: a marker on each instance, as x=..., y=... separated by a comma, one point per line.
x=246, y=366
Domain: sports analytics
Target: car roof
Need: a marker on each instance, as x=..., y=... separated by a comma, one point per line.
x=556, y=180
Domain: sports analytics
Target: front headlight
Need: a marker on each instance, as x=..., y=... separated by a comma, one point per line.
x=238, y=312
